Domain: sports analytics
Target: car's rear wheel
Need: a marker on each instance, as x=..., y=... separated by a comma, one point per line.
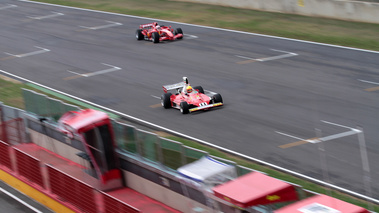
x=155, y=37
x=165, y=100
x=217, y=98
x=179, y=31
x=199, y=88
x=184, y=108
x=139, y=35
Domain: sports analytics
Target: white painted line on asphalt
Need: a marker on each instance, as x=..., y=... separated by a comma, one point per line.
x=327, y=138
x=291, y=136
x=7, y=7
x=206, y=27
x=20, y=201
x=370, y=82
x=113, y=24
x=43, y=50
x=190, y=36
x=286, y=55
x=155, y=97
x=198, y=140
x=55, y=14
x=74, y=72
x=114, y=68
x=357, y=130
x=244, y=57
x=103, y=71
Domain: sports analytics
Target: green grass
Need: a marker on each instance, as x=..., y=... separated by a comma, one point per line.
x=345, y=33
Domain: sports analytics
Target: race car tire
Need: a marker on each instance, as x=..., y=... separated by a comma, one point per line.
x=199, y=88
x=165, y=100
x=217, y=98
x=155, y=37
x=139, y=35
x=184, y=108
x=179, y=31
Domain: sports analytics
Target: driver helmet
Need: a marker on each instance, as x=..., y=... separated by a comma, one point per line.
x=189, y=89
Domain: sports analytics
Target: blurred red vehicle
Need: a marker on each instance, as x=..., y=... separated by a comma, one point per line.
x=155, y=33
x=188, y=102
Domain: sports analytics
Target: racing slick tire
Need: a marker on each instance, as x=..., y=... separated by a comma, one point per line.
x=155, y=37
x=184, y=108
x=199, y=88
x=179, y=31
x=217, y=98
x=165, y=100
x=139, y=35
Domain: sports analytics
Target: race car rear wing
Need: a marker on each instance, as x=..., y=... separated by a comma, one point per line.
x=147, y=25
x=173, y=86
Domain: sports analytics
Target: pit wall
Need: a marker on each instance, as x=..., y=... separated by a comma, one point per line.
x=140, y=175
x=336, y=9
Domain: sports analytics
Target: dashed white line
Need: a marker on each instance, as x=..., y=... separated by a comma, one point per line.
x=113, y=24
x=114, y=68
x=43, y=50
x=370, y=82
x=291, y=136
x=7, y=7
x=55, y=14
x=191, y=36
x=155, y=97
x=286, y=55
x=327, y=138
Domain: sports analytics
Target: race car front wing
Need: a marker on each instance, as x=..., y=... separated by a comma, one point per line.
x=205, y=107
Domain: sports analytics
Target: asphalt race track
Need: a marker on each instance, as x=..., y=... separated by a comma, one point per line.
x=12, y=201
x=277, y=92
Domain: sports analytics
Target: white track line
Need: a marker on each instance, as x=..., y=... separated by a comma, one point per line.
x=286, y=55
x=113, y=24
x=207, y=27
x=370, y=82
x=19, y=200
x=103, y=71
x=55, y=14
x=114, y=68
x=190, y=36
x=43, y=50
x=200, y=141
x=7, y=7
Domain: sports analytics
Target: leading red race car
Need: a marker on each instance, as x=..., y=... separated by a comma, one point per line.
x=155, y=33
x=189, y=99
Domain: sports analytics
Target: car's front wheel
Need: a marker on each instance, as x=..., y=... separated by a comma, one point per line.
x=184, y=108
x=155, y=37
x=179, y=31
x=217, y=98
x=139, y=35
x=165, y=100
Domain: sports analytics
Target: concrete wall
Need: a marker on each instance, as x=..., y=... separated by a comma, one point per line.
x=337, y=9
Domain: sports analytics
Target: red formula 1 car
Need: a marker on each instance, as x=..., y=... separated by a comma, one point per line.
x=188, y=99
x=155, y=33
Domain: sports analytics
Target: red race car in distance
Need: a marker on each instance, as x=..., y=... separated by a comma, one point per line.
x=155, y=33
x=188, y=99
